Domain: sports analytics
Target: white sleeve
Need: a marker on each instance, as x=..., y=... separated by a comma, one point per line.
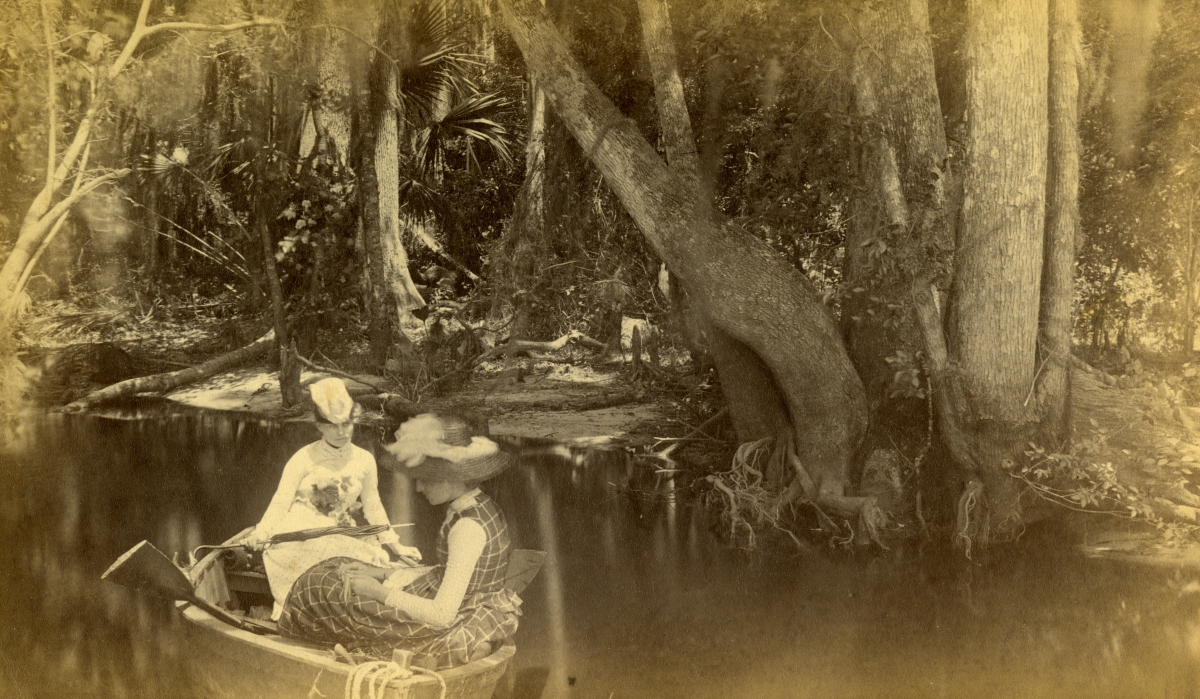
x=296, y=469
x=372, y=506
x=465, y=541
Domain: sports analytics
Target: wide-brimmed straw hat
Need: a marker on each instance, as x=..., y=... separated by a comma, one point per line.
x=433, y=447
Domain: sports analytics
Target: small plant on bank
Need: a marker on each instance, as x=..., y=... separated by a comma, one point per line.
x=1077, y=482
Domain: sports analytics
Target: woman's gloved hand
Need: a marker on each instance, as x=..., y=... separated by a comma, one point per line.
x=409, y=554
x=368, y=587
x=358, y=569
x=255, y=541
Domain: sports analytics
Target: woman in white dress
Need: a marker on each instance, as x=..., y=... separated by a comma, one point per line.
x=321, y=486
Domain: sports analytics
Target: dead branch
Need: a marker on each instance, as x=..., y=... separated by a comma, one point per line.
x=379, y=387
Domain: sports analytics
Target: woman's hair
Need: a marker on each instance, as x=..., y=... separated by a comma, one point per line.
x=354, y=412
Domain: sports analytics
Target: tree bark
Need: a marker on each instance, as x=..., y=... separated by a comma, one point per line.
x=331, y=108
x=673, y=119
x=1062, y=222
x=746, y=288
x=528, y=225
x=757, y=408
x=379, y=303
x=289, y=369
x=998, y=265
x=400, y=287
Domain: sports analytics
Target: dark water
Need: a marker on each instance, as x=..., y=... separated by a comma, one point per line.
x=641, y=598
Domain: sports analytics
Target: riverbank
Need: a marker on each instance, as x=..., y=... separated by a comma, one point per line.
x=1135, y=452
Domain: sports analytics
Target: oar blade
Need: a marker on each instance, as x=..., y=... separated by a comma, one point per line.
x=147, y=570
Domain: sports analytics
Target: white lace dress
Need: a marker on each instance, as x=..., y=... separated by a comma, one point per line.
x=322, y=486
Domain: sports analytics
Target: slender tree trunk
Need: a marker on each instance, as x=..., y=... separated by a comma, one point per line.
x=289, y=368
x=673, y=119
x=379, y=299
x=528, y=225
x=903, y=224
x=1191, y=283
x=400, y=287
x=1062, y=222
x=746, y=288
x=331, y=108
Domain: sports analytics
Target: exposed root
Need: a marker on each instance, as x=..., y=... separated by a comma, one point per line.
x=752, y=505
x=972, y=517
x=755, y=503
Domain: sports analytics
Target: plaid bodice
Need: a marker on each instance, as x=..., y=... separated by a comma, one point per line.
x=492, y=565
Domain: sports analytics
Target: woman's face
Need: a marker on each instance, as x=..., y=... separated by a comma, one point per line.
x=438, y=492
x=338, y=435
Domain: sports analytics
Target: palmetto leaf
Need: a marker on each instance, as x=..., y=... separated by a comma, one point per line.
x=436, y=68
x=470, y=119
x=420, y=201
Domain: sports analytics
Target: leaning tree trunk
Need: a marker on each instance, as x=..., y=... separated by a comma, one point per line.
x=1062, y=223
x=757, y=408
x=748, y=291
x=993, y=328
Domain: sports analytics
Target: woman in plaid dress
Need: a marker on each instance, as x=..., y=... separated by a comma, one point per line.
x=448, y=614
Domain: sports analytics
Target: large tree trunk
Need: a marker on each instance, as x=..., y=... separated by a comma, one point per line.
x=1062, y=222
x=747, y=290
x=993, y=330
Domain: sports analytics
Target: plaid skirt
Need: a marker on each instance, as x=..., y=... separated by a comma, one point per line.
x=322, y=609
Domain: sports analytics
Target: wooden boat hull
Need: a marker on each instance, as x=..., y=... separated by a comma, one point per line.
x=230, y=662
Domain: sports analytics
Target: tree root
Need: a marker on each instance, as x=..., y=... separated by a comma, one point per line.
x=972, y=517
x=753, y=502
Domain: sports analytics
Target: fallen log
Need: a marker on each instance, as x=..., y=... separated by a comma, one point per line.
x=160, y=383
x=514, y=346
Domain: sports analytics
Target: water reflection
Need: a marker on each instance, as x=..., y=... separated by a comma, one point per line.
x=639, y=597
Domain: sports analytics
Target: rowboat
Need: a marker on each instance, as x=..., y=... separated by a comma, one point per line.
x=238, y=657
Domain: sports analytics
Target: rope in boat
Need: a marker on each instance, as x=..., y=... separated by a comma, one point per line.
x=376, y=675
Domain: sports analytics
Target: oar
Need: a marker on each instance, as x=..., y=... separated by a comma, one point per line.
x=147, y=570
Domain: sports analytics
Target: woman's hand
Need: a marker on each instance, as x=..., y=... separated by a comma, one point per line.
x=408, y=554
x=255, y=541
x=370, y=588
x=358, y=569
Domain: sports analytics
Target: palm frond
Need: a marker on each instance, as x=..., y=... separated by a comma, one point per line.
x=437, y=67
x=470, y=119
x=420, y=201
x=431, y=26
